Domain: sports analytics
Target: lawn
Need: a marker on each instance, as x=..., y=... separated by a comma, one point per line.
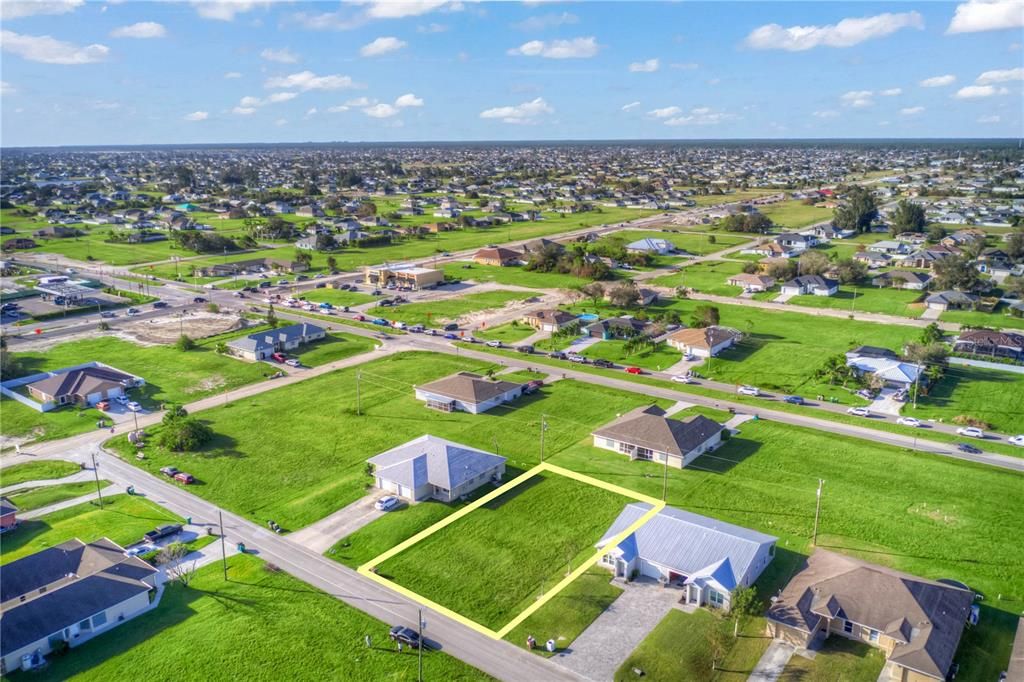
x=992, y=395
x=794, y=214
x=333, y=347
x=975, y=318
x=122, y=518
x=23, y=421
x=490, y=564
x=44, y=496
x=888, y=301
x=514, y=275
x=708, y=277
x=698, y=244
x=433, y=312
x=735, y=196
x=212, y=625
x=316, y=450
x=676, y=649
x=41, y=470
x=838, y=660
x=338, y=297
x=661, y=358
x=509, y=333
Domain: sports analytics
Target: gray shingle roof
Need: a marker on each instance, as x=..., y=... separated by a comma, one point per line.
x=648, y=427
x=469, y=388
x=433, y=460
x=266, y=340
x=81, y=381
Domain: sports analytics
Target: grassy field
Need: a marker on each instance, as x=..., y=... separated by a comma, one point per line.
x=41, y=470
x=515, y=275
x=433, y=312
x=793, y=214
x=992, y=395
x=316, y=451
x=997, y=319
x=661, y=358
x=708, y=277
x=210, y=625
x=491, y=563
x=333, y=347
x=731, y=197
x=122, y=518
x=838, y=660
x=887, y=301
x=509, y=333
x=695, y=243
x=44, y=496
x=21, y=420
x=676, y=649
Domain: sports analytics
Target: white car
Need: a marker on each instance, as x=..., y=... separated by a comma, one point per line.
x=859, y=411
x=134, y=406
x=292, y=362
x=122, y=399
x=971, y=432
x=909, y=421
x=748, y=390
x=493, y=344
x=386, y=503
x=681, y=379
x=1017, y=440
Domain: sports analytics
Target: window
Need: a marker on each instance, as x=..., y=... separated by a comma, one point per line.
x=84, y=625
x=715, y=598
x=99, y=619
x=847, y=627
x=873, y=635
x=644, y=453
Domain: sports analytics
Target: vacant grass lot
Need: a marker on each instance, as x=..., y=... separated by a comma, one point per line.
x=696, y=243
x=998, y=319
x=211, y=625
x=338, y=297
x=708, y=277
x=887, y=301
x=506, y=333
x=22, y=421
x=676, y=649
x=333, y=347
x=793, y=214
x=433, y=312
x=661, y=358
x=316, y=446
x=489, y=564
x=41, y=470
x=122, y=518
x=44, y=496
x=992, y=395
x=515, y=275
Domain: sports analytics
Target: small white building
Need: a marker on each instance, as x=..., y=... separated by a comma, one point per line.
x=810, y=284
x=432, y=467
x=703, y=342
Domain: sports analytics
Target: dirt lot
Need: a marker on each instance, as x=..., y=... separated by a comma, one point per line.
x=167, y=329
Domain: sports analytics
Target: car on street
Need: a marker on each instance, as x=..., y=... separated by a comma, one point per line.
x=386, y=503
x=163, y=531
x=493, y=344
x=967, y=447
x=748, y=390
x=606, y=364
x=159, y=304
x=578, y=359
x=634, y=370
x=556, y=355
x=430, y=332
x=108, y=314
x=404, y=635
x=381, y=322
x=793, y=400
x=525, y=349
x=859, y=411
x=182, y=477
x=416, y=329
x=199, y=299
x=132, y=311
x=1016, y=440
x=293, y=362
x=169, y=471
x=971, y=432
x=451, y=327
x=451, y=336
x=134, y=406
x=681, y=379
x=401, y=325
x=909, y=421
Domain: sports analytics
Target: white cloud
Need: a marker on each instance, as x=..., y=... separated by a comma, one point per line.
x=232, y=74
x=142, y=29
x=577, y=48
x=381, y=110
x=360, y=102
x=398, y=9
x=846, y=33
x=197, y=116
x=382, y=45
x=250, y=101
x=545, y=21
x=49, y=50
x=13, y=9
x=701, y=116
x=938, y=81
x=665, y=112
x=525, y=113
x=431, y=28
x=825, y=113
x=979, y=91
x=6, y=89
x=311, y=112
x=1000, y=76
x=281, y=97
x=891, y=92
x=631, y=106
x=224, y=10
x=685, y=66
x=243, y=111
x=987, y=15
x=858, y=99
x=307, y=80
x=910, y=111
x=408, y=100
x=646, y=66
x=337, y=109
x=989, y=119
x=282, y=56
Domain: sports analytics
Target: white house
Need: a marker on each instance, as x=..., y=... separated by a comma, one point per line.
x=658, y=246
x=262, y=345
x=709, y=559
x=796, y=241
x=703, y=342
x=810, y=284
x=432, y=467
x=467, y=392
x=646, y=433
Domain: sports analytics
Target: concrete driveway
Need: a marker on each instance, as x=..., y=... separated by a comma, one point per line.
x=322, y=535
x=773, y=662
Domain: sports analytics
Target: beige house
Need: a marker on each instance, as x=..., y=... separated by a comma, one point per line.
x=498, y=255
x=751, y=282
x=916, y=622
x=703, y=342
x=549, y=320
x=467, y=392
x=82, y=385
x=403, y=276
x=647, y=434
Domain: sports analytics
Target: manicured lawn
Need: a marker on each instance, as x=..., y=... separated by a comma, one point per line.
x=42, y=470
x=315, y=446
x=211, y=626
x=338, y=297
x=793, y=214
x=122, y=518
x=676, y=649
x=93, y=244
x=506, y=333
x=697, y=244
x=661, y=358
x=433, y=312
x=491, y=563
x=887, y=301
x=992, y=395
x=708, y=277
x=838, y=660
x=44, y=496
x=22, y=420
x=516, y=275
x=996, y=319
x=335, y=346
x=738, y=195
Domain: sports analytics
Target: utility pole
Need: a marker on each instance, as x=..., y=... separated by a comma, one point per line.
x=543, y=428
x=917, y=388
x=359, y=405
x=817, y=512
x=420, y=647
x=664, y=484
x=223, y=547
x=96, y=473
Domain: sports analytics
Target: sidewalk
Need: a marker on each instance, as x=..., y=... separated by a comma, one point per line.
x=57, y=506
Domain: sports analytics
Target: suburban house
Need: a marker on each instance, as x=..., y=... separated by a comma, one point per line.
x=549, y=320
x=902, y=279
x=990, y=343
x=773, y=250
x=647, y=433
x=82, y=385
x=656, y=246
x=752, y=283
x=8, y=514
x=68, y=593
x=468, y=392
x=797, y=242
x=435, y=468
x=884, y=365
x=872, y=259
x=262, y=345
x=811, y=284
x=916, y=622
x=408, y=276
x=952, y=300
x=497, y=255
x=709, y=559
x=706, y=342
x=890, y=247
x=927, y=257
x=615, y=328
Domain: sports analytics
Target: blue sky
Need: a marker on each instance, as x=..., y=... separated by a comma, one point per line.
x=77, y=72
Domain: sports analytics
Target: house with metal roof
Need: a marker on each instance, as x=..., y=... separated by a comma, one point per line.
x=647, y=433
x=262, y=345
x=886, y=367
x=810, y=284
x=707, y=558
x=656, y=246
x=435, y=468
x=468, y=392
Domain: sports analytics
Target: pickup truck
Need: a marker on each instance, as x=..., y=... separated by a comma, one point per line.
x=162, y=532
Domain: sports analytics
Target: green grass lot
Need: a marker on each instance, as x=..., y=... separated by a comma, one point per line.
x=997, y=319
x=516, y=275
x=44, y=496
x=41, y=470
x=699, y=244
x=446, y=310
x=676, y=649
x=211, y=624
x=935, y=524
x=492, y=563
x=22, y=420
x=793, y=214
x=661, y=358
x=317, y=449
x=183, y=269
x=993, y=395
x=122, y=518
x=838, y=660
x=338, y=297
x=335, y=346
x=509, y=332
x=888, y=301
x=708, y=277
x=738, y=195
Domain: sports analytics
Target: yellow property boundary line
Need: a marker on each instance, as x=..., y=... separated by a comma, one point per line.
x=367, y=569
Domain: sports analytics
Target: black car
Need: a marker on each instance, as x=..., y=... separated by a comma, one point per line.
x=557, y=355
x=601, y=362
x=199, y=299
x=162, y=532
x=527, y=349
x=160, y=304
x=451, y=327
x=793, y=400
x=321, y=285
x=407, y=636
x=967, y=447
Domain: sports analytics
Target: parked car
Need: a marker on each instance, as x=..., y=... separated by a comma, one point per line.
x=182, y=477
x=526, y=349
x=416, y=328
x=163, y=531
x=320, y=285
x=634, y=370
x=430, y=332
x=407, y=636
x=967, y=447
x=134, y=406
x=108, y=314
x=578, y=359
x=451, y=336
x=748, y=390
x=401, y=325
x=278, y=357
x=971, y=432
x=493, y=344
x=292, y=362
x=122, y=399
x=1017, y=440
x=139, y=549
x=451, y=327
x=169, y=471
x=606, y=364
x=859, y=411
x=794, y=400
x=533, y=386
x=909, y=421
x=386, y=503
x=557, y=355
x=132, y=311
x=381, y=322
